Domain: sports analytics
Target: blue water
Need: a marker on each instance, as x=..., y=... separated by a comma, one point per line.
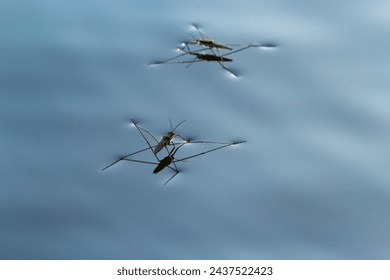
x=311, y=181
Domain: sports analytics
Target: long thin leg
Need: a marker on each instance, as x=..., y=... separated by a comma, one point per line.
x=173, y=152
x=137, y=152
x=168, y=60
x=148, y=132
x=229, y=53
x=239, y=50
x=140, y=161
x=251, y=46
x=185, y=61
x=190, y=63
x=189, y=141
x=212, y=142
x=177, y=172
x=201, y=34
x=227, y=69
x=122, y=158
x=209, y=151
x=146, y=140
x=148, y=162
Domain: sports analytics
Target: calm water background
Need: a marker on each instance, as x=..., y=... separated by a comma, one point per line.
x=310, y=183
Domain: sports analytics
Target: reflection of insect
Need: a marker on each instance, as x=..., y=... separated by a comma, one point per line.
x=210, y=51
x=170, y=158
x=204, y=57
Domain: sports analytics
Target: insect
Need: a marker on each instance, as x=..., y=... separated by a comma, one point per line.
x=208, y=42
x=167, y=138
x=199, y=57
x=210, y=51
x=169, y=161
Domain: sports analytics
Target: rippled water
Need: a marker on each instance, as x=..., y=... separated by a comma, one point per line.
x=309, y=183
